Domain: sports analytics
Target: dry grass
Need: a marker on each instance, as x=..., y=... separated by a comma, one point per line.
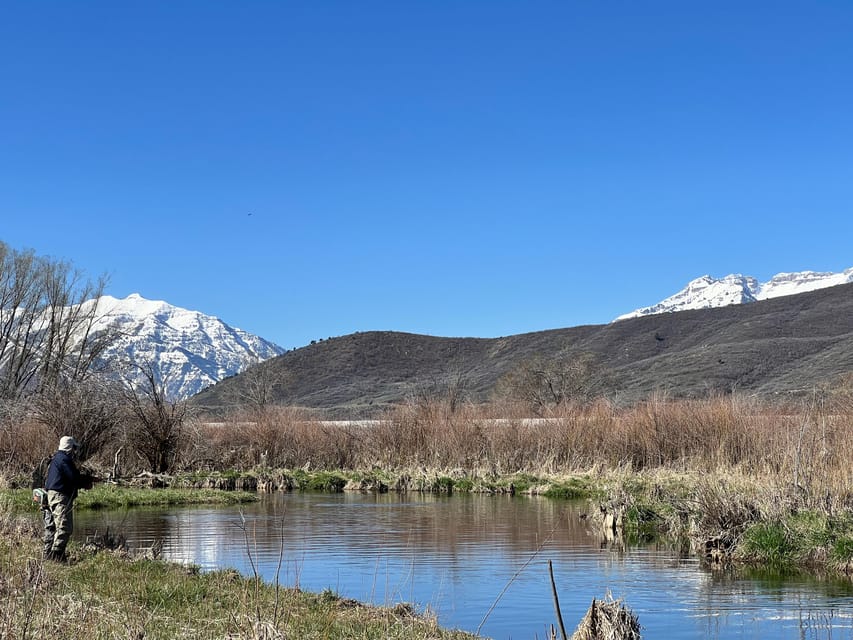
x=608, y=619
x=801, y=450
x=23, y=443
x=806, y=446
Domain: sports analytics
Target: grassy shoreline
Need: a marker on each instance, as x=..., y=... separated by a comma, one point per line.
x=159, y=600
x=745, y=480
x=110, y=496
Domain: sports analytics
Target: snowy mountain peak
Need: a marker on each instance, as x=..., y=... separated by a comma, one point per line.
x=189, y=349
x=707, y=292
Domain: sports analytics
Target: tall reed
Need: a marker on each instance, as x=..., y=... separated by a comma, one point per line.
x=808, y=444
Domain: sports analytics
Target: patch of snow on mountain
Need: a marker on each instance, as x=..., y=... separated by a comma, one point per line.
x=786, y=284
x=707, y=292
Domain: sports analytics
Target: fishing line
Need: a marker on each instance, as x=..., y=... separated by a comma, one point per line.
x=519, y=571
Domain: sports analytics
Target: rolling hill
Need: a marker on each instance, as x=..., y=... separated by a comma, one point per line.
x=782, y=345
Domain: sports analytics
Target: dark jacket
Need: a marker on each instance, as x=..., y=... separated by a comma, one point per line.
x=62, y=474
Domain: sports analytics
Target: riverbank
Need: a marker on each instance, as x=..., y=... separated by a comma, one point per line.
x=727, y=517
x=742, y=481
x=109, y=594
x=732, y=519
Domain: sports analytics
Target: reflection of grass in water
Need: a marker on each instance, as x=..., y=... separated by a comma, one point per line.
x=781, y=580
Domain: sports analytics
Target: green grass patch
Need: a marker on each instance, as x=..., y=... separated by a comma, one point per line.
x=18, y=500
x=571, y=489
x=464, y=485
x=325, y=481
x=444, y=484
x=116, y=497
x=841, y=551
x=373, y=476
x=767, y=542
x=522, y=482
x=804, y=538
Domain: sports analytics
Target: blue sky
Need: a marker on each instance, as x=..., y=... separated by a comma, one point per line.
x=306, y=170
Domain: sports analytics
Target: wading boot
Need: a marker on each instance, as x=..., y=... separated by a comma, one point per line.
x=58, y=556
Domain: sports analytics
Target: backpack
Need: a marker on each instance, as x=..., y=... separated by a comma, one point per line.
x=40, y=473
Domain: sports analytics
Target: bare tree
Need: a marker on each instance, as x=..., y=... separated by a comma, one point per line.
x=450, y=389
x=89, y=410
x=20, y=303
x=258, y=388
x=71, y=345
x=48, y=319
x=548, y=383
x=156, y=422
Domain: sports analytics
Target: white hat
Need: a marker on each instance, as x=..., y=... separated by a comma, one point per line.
x=67, y=443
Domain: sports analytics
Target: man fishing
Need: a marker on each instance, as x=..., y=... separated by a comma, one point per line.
x=63, y=482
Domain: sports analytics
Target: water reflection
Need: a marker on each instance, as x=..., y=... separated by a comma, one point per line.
x=456, y=554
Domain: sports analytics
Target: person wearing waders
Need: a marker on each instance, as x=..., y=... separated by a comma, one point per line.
x=63, y=482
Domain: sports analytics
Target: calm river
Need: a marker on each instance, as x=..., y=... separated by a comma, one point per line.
x=455, y=555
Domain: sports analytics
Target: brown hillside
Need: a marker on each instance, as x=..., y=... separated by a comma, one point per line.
x=775, y=346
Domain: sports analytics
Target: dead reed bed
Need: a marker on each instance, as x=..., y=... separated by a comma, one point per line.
x=801, y=448
x=808, y=445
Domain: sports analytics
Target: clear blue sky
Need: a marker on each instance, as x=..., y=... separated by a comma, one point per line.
x=310, y=169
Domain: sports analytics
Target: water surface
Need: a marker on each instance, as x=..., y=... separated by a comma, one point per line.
x=481, y=562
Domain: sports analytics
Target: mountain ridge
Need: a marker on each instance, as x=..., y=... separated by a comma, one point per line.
x=707, y=292
x=190, y=350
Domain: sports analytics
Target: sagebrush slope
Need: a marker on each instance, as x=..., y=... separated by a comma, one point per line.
x=783, y=345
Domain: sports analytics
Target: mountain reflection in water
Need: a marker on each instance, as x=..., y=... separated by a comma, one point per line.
x=455, y=554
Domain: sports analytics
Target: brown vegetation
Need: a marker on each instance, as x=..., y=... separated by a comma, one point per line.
x=806, y=447
x=608, y=619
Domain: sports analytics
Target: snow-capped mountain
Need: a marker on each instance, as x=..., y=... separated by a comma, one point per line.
x=189, y=350
x=707, y=292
